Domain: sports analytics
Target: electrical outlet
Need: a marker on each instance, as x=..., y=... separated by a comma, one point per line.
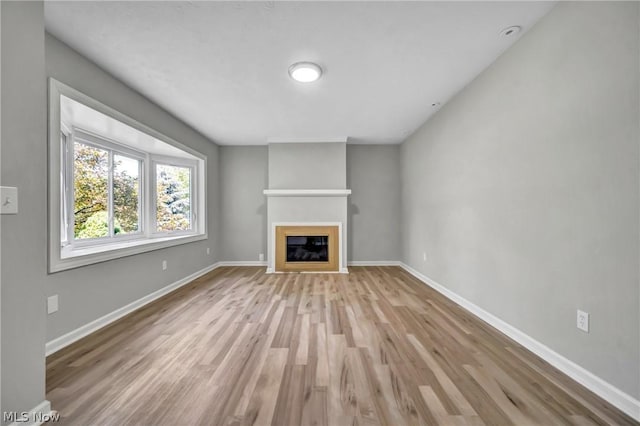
x=208, y=250
x=261, y=257
x=52, y=304
x=424, y=256
x=164, y=265
x=583, y=321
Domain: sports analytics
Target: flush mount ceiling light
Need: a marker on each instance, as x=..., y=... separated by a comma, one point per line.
x=510, y=31
x=305, y=72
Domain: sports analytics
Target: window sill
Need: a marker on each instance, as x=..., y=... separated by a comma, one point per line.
x=70, y=259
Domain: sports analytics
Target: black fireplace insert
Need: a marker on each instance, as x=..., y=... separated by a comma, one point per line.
x=308, y=248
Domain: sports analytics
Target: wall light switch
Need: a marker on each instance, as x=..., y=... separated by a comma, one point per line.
x=52, y=304
x=8, y=200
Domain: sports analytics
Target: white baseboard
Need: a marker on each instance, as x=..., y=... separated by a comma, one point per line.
x=38, y=415
x=600, y=387
x=242, y=263
x=375, y=263
x=77, y=334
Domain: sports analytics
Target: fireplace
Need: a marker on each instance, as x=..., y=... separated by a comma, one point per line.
x=307, y=248
x=307, y=201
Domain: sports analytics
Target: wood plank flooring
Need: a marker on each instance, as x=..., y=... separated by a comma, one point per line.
x=375, y=347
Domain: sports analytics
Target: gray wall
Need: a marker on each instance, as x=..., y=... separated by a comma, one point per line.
x=243, y=177
x=373, y=175
x=90, y=292
x=24, y=236
x=372, y=172
x=307, y=166
x=523, y=190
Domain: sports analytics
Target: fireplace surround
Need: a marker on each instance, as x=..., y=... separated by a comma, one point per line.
x=307, y=248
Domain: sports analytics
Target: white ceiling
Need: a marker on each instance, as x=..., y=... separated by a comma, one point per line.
x=221, y=67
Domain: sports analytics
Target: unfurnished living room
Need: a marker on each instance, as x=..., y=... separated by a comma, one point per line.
x=320, y=213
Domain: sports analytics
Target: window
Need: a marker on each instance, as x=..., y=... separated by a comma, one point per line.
x=106, y=191
x=119, y=188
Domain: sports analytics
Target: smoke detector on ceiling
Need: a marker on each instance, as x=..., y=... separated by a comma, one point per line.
x=510, y=31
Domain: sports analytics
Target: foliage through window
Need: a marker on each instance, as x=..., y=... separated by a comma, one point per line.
x=173, y=198
x=105, y=181
x=126, y=194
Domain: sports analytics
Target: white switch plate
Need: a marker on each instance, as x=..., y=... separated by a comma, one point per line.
x=583, y=321
x=208, y=250
x=164, y=265
x=261, y=257
x=8, y=200
x=52, y=304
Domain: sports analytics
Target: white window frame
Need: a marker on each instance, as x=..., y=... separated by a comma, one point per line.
x=72, y=253
x=65, y=179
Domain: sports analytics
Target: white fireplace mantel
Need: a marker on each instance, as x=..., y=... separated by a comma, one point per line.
x=307, y=192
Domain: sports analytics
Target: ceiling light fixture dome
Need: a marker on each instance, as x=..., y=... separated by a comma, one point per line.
x=305, y=72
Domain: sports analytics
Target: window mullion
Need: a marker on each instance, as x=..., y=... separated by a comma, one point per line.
x=72, y=188
x=69, y=188
x=64, y=207
x=110, y=195
x=150, y=197
x=192, y=200
x=142, y=191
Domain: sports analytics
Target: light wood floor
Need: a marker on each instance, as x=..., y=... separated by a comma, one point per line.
x=376, y=346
